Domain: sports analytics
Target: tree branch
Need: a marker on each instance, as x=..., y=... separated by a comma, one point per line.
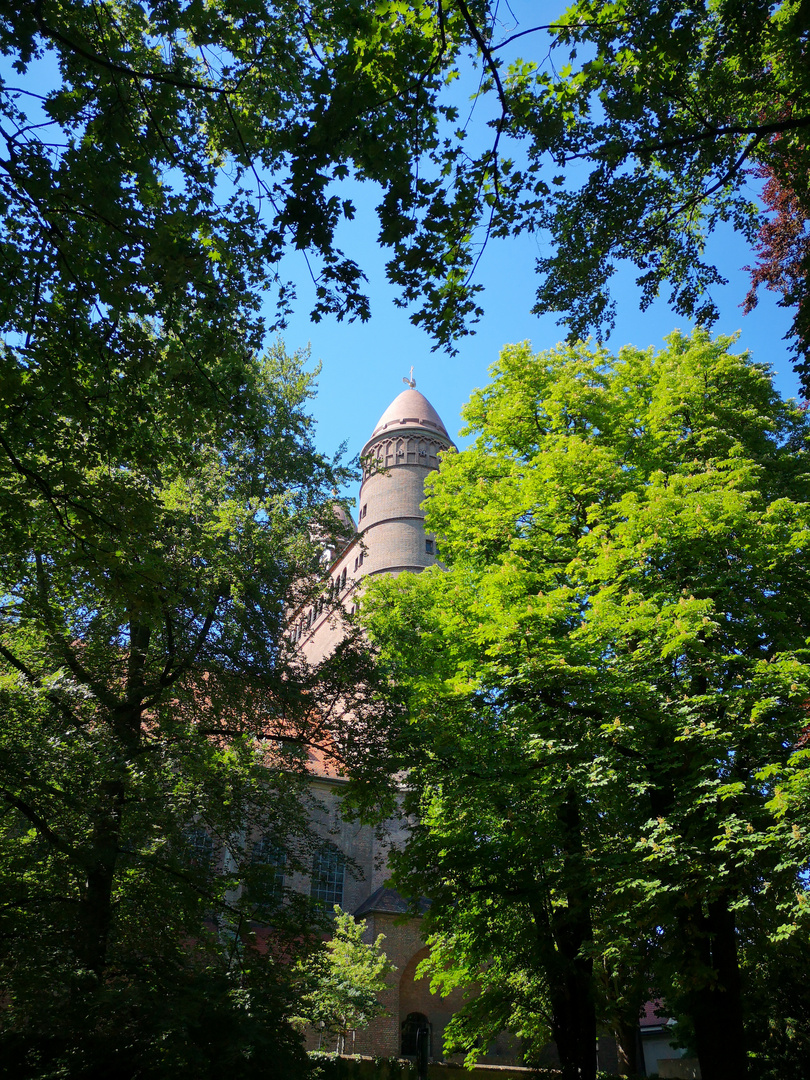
x=51, y=695
x=122, y=69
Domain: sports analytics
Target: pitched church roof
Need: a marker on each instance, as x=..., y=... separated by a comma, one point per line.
x=388, y=901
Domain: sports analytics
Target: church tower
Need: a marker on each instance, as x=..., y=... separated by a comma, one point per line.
x=390, y=537
x=404, y=447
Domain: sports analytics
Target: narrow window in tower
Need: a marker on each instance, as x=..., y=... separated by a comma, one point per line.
x=362, y=556
x=429, y=547
x=343, y=577
x=363, y=511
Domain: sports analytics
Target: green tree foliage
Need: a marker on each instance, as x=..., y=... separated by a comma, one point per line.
x=606, y=696
x=158, y=491
x=628, y=132
x=672, y=108
x=159, y=160
x=154, y=720
x=341, y=984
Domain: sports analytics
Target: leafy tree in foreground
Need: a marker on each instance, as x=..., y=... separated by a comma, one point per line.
x=159, y=159
x=606, y=692
x=157, y=485
x=628, y=132
x=672, y=109
x=340, y=984
x=154, y=721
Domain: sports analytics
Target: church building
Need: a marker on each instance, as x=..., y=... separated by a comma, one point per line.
x=388, y=538
x=351, y=869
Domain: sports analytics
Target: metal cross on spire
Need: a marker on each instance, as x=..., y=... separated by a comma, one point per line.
x=411, y=381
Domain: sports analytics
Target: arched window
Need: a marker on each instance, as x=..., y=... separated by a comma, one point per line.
x=416, y=1030
x=266, y=882
x=343, y=577
x=199, y=848
x=328, y=871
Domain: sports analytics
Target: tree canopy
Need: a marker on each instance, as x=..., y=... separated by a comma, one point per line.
x=159, y=489
x=606, y=695
x=341, y=984
x=160, y=159
x=154, y=718
x=671, y=112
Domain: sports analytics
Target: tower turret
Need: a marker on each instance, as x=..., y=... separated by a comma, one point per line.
x=404, y=447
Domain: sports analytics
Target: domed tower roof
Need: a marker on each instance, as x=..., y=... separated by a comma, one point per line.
x=409, y=409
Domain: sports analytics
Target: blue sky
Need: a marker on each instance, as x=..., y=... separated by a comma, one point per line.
x=363, y=364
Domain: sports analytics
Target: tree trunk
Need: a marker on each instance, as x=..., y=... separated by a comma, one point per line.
x=707, y=942
x=570, y=973
x=95, y=904
x=715, y=1006
x=717, y=1017
x=95, y=913
x=574, y=1025
x=628, y=1049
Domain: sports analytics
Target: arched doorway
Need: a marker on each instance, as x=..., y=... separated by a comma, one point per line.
x=416, y=1030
